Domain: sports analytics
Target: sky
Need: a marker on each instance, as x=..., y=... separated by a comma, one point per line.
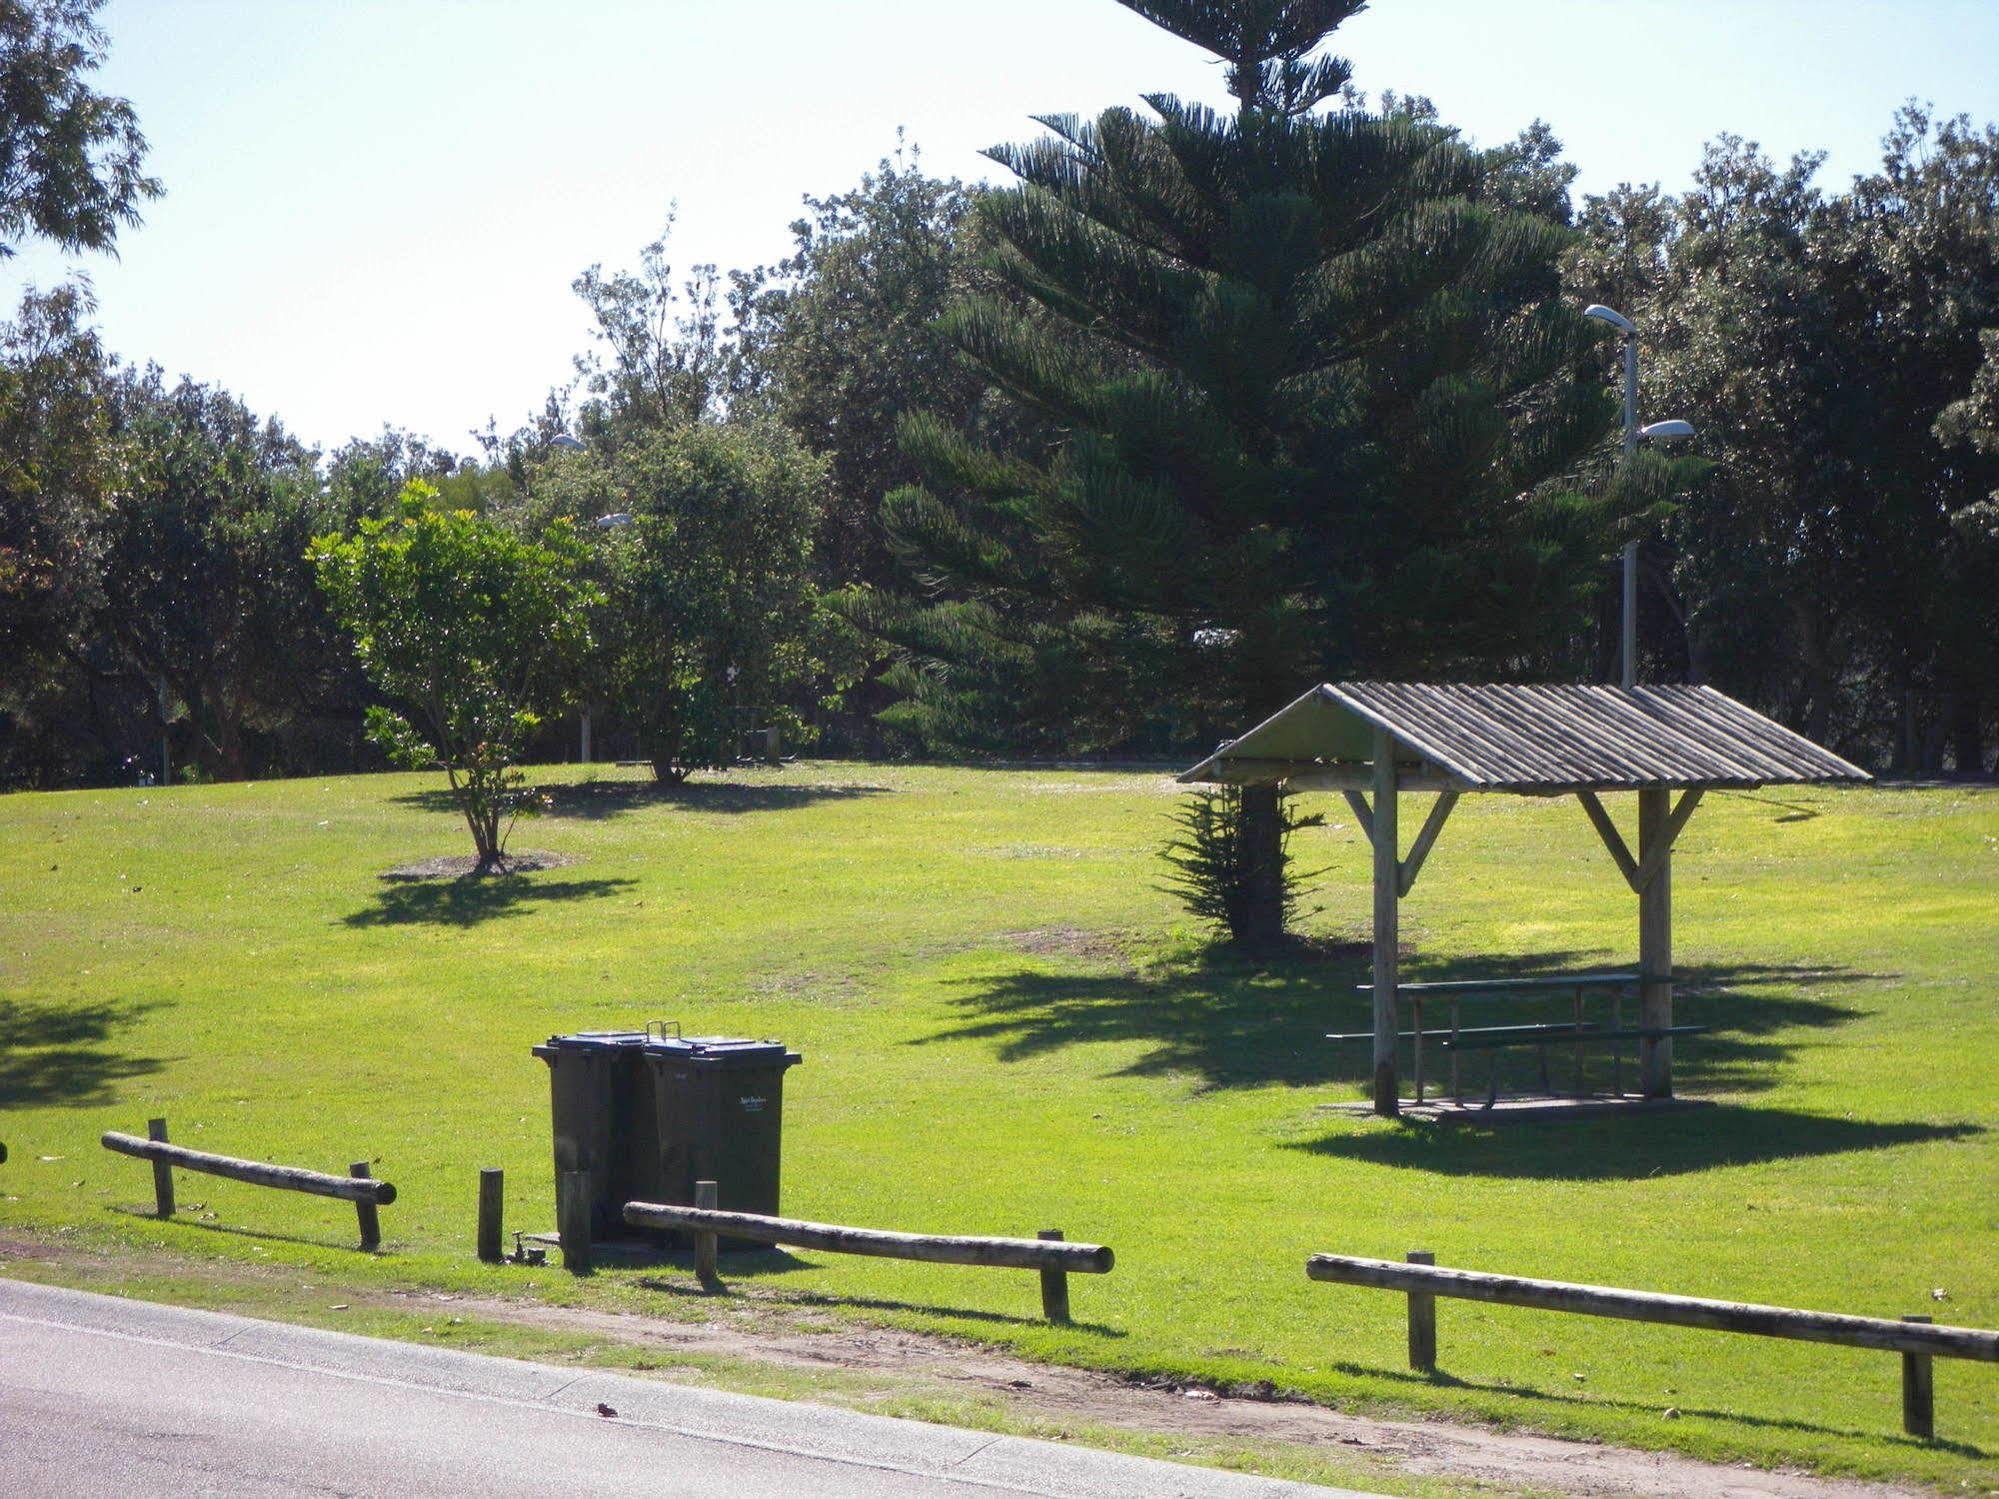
x=375, y=208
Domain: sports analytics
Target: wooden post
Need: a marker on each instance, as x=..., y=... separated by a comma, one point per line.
x=365, y=1209
x=572, y=1219
x=1387, y=881
x=492, y=1202
x=1054, y=1285
x=1422, y=1321
x=706, y=1242
x=163, y=1174
x=1655, y=945
x=1919, y=1394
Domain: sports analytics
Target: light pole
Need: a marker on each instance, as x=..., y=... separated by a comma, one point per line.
x=1659, y=431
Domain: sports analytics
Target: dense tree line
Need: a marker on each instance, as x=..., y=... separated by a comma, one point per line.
x=1205, y=405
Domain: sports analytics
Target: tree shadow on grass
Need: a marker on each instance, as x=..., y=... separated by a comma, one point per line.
x=593, y=800
x=471, y=900
x=1232, y=1022
x=54, y=1054
x=1628, y=1147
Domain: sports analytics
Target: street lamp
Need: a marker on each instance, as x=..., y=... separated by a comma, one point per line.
x=1657, y=431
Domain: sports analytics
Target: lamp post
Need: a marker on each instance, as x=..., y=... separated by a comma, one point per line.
x=1658, y=431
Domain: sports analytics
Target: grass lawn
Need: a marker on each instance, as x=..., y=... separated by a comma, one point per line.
x=1007, y=1027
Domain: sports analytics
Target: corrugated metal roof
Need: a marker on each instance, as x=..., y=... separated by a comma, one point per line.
x=1529, y=738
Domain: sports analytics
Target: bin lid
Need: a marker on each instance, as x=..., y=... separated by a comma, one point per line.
x=595, y=1040
x=721, y=1051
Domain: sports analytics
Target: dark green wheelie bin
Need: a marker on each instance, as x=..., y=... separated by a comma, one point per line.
x=606, y=1122
x=720, y=1103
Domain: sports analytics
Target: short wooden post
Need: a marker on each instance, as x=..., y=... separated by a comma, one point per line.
x=1054, y=1285
x=1422, y=1321
x=706, y=1195
x=365, y=1209
x=1919, y=1393
x=572, y=1219
x=492, y=1203
x=163, y=1174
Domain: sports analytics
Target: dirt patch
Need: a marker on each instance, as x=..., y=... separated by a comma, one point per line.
x=1504, y=1461
x=1068, y=942
x=787, y=1338
x=466, y=866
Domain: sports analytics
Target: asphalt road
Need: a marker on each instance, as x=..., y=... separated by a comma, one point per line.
x=100, y=1395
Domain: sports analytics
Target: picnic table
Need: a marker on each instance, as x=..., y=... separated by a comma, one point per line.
x=1578, y=1032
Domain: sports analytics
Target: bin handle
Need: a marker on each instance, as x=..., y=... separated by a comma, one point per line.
x=663, y=1024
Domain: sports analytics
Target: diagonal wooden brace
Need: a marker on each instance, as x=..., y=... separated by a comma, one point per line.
x=1407, y=869
x=1639, y=875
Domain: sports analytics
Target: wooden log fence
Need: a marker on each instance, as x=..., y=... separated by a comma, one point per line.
x=1423, y=1281
x=358, y=1186
x=1051, y=1254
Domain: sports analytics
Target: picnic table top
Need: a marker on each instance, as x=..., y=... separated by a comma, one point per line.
x=1475, y=986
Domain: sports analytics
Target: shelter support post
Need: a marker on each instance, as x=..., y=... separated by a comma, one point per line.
x=1655, y=941
x=1387, y=896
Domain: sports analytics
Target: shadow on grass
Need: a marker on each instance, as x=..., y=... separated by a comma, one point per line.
x=234, y=1231
x=752, y=1264
x=471, y=900
x=1628, y=1148
x=54, y=1054
x=599, y=799
x=1561, y=1396
x=1233, y=1022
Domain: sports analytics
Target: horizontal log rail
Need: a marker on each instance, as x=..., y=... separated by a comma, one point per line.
x=357, y=1187
x=1915, y=1338
x=1050, y=1254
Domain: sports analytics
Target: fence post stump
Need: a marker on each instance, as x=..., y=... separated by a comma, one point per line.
x=1919, y=1394
x=1054, y=1285
x=1422, y=1321
x=572, y=1219
x=365, y=1210
x=706, y=1195
x=163, y=1174
x=492, y=1200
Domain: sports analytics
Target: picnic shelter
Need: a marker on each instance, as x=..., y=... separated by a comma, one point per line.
x=1373, y=741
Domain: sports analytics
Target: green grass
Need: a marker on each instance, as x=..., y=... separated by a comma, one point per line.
x=227, y=956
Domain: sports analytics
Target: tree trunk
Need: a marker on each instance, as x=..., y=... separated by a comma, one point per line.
x=667, y=772
x=1967, y=736
x=1260, y=921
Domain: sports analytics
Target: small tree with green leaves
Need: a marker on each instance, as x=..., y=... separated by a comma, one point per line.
x=706, y=625
x=472, y=632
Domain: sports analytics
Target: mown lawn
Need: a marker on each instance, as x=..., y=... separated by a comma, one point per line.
x=1007, y=1027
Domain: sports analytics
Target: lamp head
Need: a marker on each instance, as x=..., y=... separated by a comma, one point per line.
x=1667, y=431
x=1616, y=320
x=567, y=443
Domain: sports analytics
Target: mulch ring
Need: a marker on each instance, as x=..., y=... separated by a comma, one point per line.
x=466, y=866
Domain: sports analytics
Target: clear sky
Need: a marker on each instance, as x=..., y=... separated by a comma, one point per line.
x=374, y=208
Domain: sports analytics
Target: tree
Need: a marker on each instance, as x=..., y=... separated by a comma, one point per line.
x=472, y=633
x=840, y=341
x=1314, y=379
x=706, y=621
x=70, y=158
x=1832, y=564
x=59, y=466
x=207, y=597
x=663, y=356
